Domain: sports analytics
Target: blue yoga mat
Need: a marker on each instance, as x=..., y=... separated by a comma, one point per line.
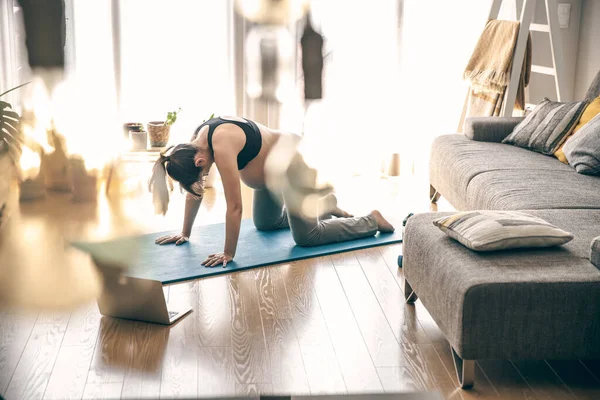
x=171, y=264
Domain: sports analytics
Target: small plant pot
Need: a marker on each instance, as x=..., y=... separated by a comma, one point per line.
x=138, y=139
x=159, y=133
x=131, y=126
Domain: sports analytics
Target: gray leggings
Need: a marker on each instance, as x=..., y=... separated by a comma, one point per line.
x=269, y=213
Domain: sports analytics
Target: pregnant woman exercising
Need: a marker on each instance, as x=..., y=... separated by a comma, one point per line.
x=267, y=161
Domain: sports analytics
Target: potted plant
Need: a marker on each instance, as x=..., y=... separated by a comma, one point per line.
x=159, y=131
x=131, y=126
x=11, y=143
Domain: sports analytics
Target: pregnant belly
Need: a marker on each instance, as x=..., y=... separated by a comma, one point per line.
x=253, y=176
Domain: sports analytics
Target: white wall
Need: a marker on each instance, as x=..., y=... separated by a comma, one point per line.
x=588, y=58
x=544, y=85
x=540, y=85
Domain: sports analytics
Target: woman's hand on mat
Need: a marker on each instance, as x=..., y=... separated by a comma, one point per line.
x=217, y=259
x=177, y=239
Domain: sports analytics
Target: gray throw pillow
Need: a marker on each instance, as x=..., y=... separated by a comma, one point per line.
x=583, y=149
x=499, y=230
x=595, y=252
x=547, y=126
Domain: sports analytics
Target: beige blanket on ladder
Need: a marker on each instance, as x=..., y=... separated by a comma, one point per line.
x=488, y=70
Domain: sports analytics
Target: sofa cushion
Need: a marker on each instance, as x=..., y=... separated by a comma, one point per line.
x=589, y=113
x=533, y=190
x=456, y=160
x=490, y=129
x=483, y=230
x=594, y=88
x=547, y=126
x=534, y=303
x=583, y=150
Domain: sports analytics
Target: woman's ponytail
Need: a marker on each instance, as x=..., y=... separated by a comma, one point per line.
x=158, y=184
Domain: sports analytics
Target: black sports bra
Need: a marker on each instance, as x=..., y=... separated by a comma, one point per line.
x=253, y=138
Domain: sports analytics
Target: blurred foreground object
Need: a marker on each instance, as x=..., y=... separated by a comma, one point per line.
x=45, y=31
x=270, y=52
x=312, y=61
x=270, y=49
x=272, y=12
x=287, y=172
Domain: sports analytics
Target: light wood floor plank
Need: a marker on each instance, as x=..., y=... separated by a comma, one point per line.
x=390, y=256
x=483, y=388
x=216, y=375
x=213, y=312
x=250, y=356
x=102, y=391
x=506, y=379
x=180, y=365
x=578, y=379
x=542, y=380
x=401, y=317
x=443, y=380
x=54, y=317
x=253, y=389
x=398, y=379
x=322, y=370
x=345, y=258
x=351, y=351
x=374, y=327
x=70, y=372
x=271, y=290
x=83, y=326
x=143, y=375
x=321, y=365
x=37, y=361
x=113, y=351
x=306, y=310
x=287, y=366
x=15, y=331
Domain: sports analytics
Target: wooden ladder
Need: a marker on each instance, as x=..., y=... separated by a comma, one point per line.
x=527, y=25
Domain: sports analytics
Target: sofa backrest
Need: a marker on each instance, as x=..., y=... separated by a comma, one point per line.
x=594, y=89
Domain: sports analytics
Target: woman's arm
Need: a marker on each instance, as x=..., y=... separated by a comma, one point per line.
x=192, y=204
x=226, y=146
x=230, y=177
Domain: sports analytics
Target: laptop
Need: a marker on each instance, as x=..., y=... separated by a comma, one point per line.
x=135, y=298
x=124, y=296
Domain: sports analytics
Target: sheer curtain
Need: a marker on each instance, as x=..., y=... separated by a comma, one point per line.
x=438, y=38
x=175, y=54
x=136, y=60
x=353, y=129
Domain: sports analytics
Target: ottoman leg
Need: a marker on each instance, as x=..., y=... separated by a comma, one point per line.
x=434, y=195
x=465, y=370
x=409, y=294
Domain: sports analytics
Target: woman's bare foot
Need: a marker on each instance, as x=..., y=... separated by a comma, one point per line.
x=382, y=224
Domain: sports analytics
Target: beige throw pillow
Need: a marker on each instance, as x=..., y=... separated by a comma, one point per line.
x=498, y=230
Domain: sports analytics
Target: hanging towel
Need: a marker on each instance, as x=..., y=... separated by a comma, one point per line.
x=488, y=70
x=489, y=67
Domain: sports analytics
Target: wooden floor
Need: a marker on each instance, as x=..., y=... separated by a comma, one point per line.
x=335, y=324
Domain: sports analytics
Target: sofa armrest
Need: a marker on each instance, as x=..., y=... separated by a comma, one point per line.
x=595, y=252
x=490, y=129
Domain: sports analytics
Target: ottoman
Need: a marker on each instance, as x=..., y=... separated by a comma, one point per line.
x=511, y=304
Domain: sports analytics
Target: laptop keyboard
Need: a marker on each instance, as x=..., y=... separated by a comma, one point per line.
x=172, y=314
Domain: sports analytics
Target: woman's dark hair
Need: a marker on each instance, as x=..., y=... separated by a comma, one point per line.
x=180, y=166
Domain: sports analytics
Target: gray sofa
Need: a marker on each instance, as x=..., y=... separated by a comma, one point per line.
x=524, y=304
